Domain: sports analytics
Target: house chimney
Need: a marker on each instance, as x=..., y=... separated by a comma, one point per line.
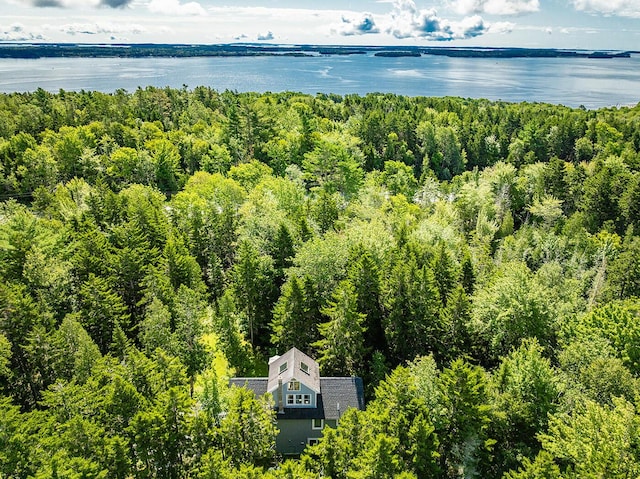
x=280, y=396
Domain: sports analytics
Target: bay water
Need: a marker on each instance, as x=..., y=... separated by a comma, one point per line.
x=592, y=83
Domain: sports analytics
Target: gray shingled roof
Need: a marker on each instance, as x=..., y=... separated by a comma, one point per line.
x=293, y=358
x=336, y=396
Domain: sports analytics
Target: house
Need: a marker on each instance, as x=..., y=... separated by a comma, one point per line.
x=305, y=402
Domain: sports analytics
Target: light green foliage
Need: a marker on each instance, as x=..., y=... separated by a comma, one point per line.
x=379, y=461
x=166, y=159
x=623, y=274
x=617, y=323
x=129, y=166
x=322, y=260
x=465, y=398
x=527, y=390
x=594, y=372
x=548, y=210
x=512, y=307
x=180, y=267
x=206, y=212
x=228, y=325
x=247, y=432
x=186, y=342
x=542, y=467
x=334, y=166
x=155, y=328
x=273, y=204
x=5, y=356
x=15, y=443
x=400, y=412
x=596, y=441
x=160, y=435
x=398, y=178
x=248, y=175
x=325, y=210
x=76, y=354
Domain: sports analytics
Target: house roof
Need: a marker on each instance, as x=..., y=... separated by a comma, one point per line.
x=294, y=364
x=336, y=396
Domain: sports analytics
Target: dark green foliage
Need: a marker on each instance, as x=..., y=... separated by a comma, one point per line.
x=413, y=325
x=341, y=348
x=475, y=262
x=294, y=319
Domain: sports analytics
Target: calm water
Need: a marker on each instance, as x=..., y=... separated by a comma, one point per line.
x=574, y=82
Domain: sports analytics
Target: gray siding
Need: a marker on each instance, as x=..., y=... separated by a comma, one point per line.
x=294, y=434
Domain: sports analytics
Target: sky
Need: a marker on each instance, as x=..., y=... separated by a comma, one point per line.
x=587, y=24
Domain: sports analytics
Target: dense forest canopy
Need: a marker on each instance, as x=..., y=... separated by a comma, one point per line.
x=476, y=262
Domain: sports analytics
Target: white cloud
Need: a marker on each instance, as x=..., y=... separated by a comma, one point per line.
x=17, y=32
x=495, y=7
x=97, y=28
x=501, y=27
x=174, y=7
x=76, y=3
x=621, y=8
x=363, y=25
x=265, y=36
x=408, y=21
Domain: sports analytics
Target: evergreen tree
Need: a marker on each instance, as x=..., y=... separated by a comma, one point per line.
x=291, y=319
x=101, y=310
x=254, y=291
x=413, y=311
x=341, y=348
x=444, y=271
x=247, y=432
x=364, y=276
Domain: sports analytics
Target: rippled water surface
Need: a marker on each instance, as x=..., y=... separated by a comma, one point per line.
x=593, y=83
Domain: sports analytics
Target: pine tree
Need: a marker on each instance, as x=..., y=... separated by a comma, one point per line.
x=444, y=271
x=100, y=310
x=413, y=311
x=252, y=278
x=363, y=274
x=290, y=325
x=341, y=348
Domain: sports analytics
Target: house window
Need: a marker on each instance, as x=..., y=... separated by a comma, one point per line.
x=304, y=368
x=317, y=423
x=298, y=399
x=294, y=385
x=283, y=367
x=312, y=441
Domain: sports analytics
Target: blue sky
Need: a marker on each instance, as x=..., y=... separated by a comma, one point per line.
x=589, y=24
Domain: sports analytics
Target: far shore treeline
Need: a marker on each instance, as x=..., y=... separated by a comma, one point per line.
x=477, y=263
x=141, y=50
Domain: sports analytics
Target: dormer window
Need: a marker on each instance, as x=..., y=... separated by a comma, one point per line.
x=283, y=367
x=304, y=367
x=294, y=385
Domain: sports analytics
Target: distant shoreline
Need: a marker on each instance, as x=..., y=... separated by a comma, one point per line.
x=70, y=50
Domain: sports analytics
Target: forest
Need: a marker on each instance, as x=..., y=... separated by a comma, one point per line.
x=477, y=263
